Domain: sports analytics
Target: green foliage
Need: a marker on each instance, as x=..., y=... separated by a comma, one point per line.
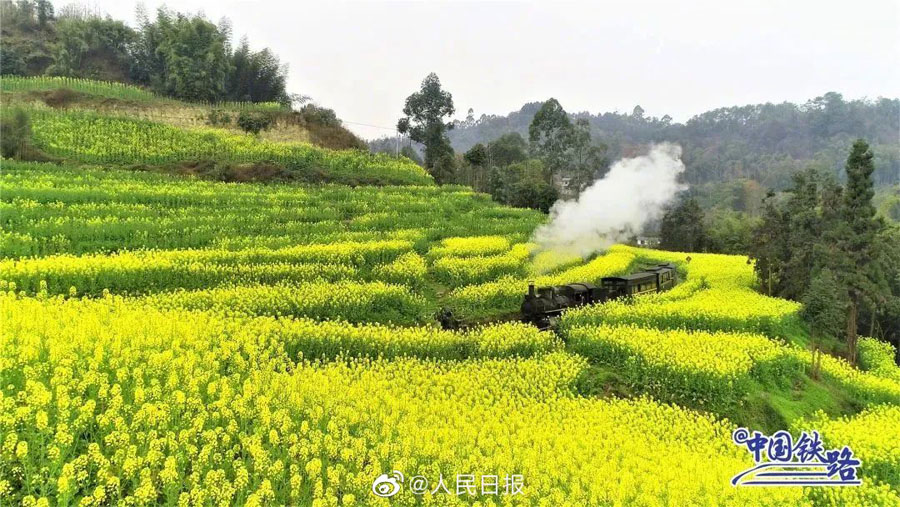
x=477, y=156
x=587, y=159
x=729, y=232
x=566, y=148
x=174, y=54
x=766, y=143
x=825, y=306
x=823, y=226
x=523, y=184
x=256, y=76
x=254, y=123
x=769, y=247
x=218, y=118
x=550, y=136
x=94, y=138
x=682, y=228
x=92, y=47
x=424, y=121
x=507, y=149
x=15, y=133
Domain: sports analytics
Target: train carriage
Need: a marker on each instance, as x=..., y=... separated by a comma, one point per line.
x=543, y=305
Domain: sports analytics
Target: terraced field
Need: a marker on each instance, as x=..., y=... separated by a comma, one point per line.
x=177, y=341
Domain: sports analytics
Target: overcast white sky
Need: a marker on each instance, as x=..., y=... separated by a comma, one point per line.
x=678, y=58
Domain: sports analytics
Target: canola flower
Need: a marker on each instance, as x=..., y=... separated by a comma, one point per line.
x=460, y=271
x=717, y=296
x=162, y=414
x=548, y=261
x=151, y=271
x=409, y=269
x=346, y=300
x=712, y=370
x=872, y=434
x=470, y=246
x=264, y=389
x=711, y=309
x=114, y=90
x=93, y=138
x=50, y=209
x=877, y=357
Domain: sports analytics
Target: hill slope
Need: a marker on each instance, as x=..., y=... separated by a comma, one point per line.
x=311, y=124
x=764, y=142
x=278, y=341
x=92, y=122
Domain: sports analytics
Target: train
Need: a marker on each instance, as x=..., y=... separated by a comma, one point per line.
x=543, y=305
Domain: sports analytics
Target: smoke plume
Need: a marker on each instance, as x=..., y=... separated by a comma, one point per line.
x=633, y=192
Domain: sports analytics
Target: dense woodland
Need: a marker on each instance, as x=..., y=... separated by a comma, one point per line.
x=182, y=56
x=767, y=143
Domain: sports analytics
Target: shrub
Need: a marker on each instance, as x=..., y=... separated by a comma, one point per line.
x=254, y=123
x=15, y=133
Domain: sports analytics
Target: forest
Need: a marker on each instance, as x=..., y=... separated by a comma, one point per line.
x=763, y=142
x=182, y=56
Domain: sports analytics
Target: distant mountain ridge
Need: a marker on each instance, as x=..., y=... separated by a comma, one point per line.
x=764, y=142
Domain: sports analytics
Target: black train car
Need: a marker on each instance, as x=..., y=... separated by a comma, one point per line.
x=544, y=304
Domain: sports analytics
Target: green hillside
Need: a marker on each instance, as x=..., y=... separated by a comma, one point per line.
x=92, y=131
x=169, y=338
x=280, y=340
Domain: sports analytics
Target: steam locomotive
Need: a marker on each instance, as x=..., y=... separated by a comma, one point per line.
x=543, y=305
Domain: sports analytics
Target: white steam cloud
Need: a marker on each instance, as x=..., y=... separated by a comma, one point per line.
x=633, y=192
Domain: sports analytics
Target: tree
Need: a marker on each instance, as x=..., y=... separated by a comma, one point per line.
x=637, y=113
x=196, y=63
x=522, y=184
x=477, y=156
x=863, y=273
x=256, y=76
x=682, y=228
x=411, y=153
x=181, y=56
x=587, y=161
x=444, y=168
x=44, y=9
x=805, y=232
x=474, y=162
x=550, y=136
x=825, y=310
x=424, y=121
x=507, y=149
x=92, y=47
x=729, y=232
x=15, y=133
x=770, y=246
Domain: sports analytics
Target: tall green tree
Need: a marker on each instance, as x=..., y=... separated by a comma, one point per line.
x=256, y=76
x=770, y=246
x=588, y=160
x=425, y=111
x=182, y=56
x=825, y=310
x=863, y=275
x=92, y=47
x=805, y=231
x=507, y=149
x=475, y=162
x=551, y=136
x=682, y=228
